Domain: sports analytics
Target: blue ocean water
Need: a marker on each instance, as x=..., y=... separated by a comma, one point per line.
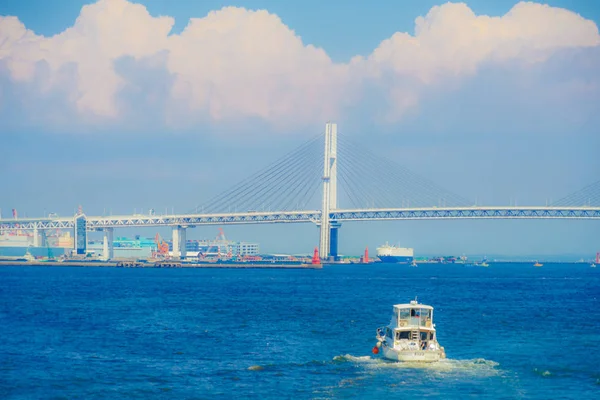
x=510, y=331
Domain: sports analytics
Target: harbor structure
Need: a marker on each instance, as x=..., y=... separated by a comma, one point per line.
x=427, y=202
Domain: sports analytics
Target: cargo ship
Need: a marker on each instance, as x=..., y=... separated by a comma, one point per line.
x=393, y=254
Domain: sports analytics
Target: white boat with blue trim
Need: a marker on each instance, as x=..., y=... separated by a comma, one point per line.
x=410, y=336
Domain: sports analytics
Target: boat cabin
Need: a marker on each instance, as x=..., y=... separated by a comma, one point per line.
x=412, y=327
x=413, y=315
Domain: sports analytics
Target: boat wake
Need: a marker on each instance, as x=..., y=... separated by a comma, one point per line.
x=475, y=367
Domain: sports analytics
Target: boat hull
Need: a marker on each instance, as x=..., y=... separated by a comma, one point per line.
x=413, y=355
x=396, y=259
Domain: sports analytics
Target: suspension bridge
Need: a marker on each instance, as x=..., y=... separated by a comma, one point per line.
x=287, y=191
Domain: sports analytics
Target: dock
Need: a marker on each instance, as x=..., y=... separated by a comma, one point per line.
x=162, y=264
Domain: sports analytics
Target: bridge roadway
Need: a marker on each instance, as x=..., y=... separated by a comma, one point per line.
x=314, y=216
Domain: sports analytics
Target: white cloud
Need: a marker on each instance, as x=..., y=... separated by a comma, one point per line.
x=451, y=41
x=103, y=32
x=236, y=61
x=240, y=63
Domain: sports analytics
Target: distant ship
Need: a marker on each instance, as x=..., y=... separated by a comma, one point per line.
x=393, y=254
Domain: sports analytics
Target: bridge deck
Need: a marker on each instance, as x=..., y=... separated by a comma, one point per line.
x=314, y=216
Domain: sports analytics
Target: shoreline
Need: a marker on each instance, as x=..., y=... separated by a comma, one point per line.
x=12, y=263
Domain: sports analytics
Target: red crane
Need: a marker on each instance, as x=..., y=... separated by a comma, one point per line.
x=162, y=247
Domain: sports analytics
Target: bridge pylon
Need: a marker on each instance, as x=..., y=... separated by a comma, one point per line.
x=329, y=192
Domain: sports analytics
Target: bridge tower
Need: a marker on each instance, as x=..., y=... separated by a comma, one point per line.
x=328, y=247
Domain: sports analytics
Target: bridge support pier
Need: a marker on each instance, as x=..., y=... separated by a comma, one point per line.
x=44, y=238
x=183, y=242
x=333, y=240
x=175, y=241
x=179, y=242
x=36, y=236
x=108, y=249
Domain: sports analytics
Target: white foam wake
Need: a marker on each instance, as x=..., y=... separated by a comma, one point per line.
x=477, y=366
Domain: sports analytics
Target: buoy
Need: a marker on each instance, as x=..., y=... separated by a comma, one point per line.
x=375, y=350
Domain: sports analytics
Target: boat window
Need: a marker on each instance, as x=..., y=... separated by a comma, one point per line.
x=424, y=336
x=425, y=313
x=415, y=312
x=402, y=335
x=404, y=313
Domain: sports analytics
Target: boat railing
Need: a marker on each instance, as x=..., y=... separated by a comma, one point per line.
x=415, y=321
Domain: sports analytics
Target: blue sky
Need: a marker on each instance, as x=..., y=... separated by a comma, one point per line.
x=127, y=111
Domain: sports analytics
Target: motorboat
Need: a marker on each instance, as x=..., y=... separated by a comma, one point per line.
x=483, y=263
x=538, y=264
x=27, y=257
x=410, y=336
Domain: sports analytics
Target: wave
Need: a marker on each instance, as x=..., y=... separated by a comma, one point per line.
x=476, y=367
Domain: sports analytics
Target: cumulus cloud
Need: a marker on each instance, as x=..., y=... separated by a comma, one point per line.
x=102, y=33
x=451, y=41
x=237, y=63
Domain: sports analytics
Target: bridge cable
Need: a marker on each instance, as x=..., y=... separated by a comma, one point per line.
x=383, y=175
x=254, y=188
x=276, y=190
x=587, y=196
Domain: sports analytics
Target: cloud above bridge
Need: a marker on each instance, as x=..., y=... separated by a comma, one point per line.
x=119, y=65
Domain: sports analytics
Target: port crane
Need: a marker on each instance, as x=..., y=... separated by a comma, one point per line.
x=49, y=249
x=162, y=247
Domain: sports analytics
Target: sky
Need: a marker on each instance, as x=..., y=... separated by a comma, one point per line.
x=125, y=106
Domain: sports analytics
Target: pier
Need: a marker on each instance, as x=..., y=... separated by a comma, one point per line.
x=162, y=264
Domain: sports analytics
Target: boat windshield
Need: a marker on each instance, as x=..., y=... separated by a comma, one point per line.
x=415, y=316
x=423, y=336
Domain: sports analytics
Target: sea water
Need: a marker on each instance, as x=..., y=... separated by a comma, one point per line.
x=509, y=330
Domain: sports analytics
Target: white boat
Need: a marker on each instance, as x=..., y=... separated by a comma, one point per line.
x=410, y=336
x=27, y=256
x=483, y=263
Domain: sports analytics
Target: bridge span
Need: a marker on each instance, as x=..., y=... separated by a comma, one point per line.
x=179, y=223
x=314, y=216
x=268, y=188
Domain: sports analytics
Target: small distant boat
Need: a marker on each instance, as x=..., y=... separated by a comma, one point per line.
x=592, y=265
x=413, y=264
x=538, y=264
x=27, y=257
x=483, y=263
x=410, y=335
